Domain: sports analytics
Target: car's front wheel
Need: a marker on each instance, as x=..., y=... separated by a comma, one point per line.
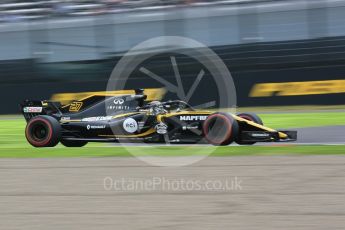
x=69, y=143
x=43, y=131
x=220, y=129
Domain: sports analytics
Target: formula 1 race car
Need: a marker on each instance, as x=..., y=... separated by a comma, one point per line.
x=132, y=118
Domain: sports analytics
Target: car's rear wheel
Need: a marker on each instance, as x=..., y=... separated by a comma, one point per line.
x=69, y=143
x=250, y=117
x=220, y=129
x=43, y=131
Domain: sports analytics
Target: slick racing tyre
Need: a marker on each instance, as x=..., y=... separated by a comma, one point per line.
x=69, y=143
x=43, y=131
x=220, y=129
x=250, y=117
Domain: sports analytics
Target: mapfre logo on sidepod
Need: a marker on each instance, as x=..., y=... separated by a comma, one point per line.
x=193, y=118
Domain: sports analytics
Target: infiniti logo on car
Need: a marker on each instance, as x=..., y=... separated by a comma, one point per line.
x=118, y=101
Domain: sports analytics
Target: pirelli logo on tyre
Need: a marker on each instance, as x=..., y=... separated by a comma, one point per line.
x=298, y=88
x=75, y=106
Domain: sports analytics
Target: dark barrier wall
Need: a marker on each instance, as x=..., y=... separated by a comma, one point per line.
x=294, y=73
x=13, y=94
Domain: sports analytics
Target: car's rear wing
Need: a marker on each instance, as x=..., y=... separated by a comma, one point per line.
x=32, y=108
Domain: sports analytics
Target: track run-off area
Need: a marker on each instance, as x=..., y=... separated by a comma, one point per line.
x=248, y=192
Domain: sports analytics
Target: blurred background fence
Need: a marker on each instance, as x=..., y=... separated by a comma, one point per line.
x=56, y=46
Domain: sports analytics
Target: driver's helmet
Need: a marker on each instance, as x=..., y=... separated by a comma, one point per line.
x=155, y=103
x=157, y=107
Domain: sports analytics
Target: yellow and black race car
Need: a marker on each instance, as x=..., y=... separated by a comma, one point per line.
x=132, y=118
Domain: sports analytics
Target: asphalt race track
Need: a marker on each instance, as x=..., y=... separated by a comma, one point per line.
x=322, y=135
x=282, y=192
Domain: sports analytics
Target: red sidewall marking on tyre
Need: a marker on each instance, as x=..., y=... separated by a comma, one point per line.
x=39, y=143
x=227, y=121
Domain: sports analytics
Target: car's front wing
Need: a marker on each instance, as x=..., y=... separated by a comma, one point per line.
x=267, y=136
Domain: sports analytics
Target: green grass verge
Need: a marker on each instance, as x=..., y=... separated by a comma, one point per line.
x=301, y=120
x=31, y=152
x=293, y=108
x=14, y=144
